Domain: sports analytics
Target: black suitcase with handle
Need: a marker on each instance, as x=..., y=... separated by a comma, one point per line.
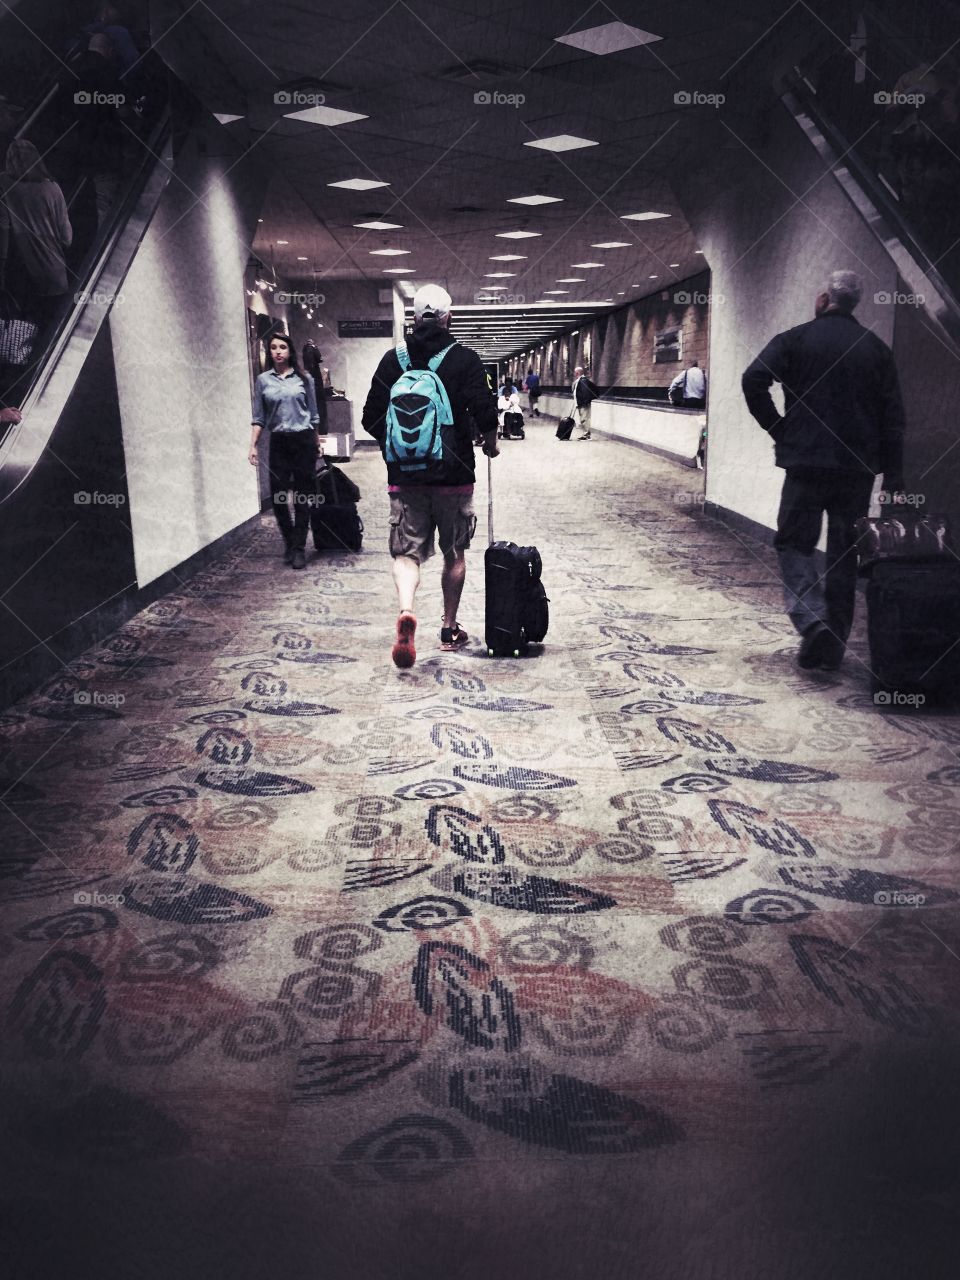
x=334, y=519
x=517, y=609
x=564, y=428
x=913, y=605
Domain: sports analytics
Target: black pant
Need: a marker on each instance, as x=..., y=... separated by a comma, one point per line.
x=293, y=465
x=810, y=597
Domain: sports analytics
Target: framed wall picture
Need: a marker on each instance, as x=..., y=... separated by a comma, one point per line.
x=668, y=346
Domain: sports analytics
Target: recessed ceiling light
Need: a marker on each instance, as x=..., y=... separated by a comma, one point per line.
x=644, y=217
x=556, y=291
x=224, y=118
x=561, y=142
x=518, y=235
x=584, y=265
x=507, y=257
x=329, y=116
x=700, y=251
x=498, y=275
x=674, y=264
x=358, y=184
x=389, y=253
x=379, y=226
x=283, y=242
x=611, y=37
x=653, y=277
x=570, y=279
x=534, y=200
x=396, y=271
x=611, y=244
x=301, y=259
x=621, y=292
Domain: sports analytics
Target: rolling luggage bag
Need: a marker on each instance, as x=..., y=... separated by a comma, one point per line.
x=517, y=609
x=334, y=519
x=564, y=428
x=913, y=604
x=513, y=426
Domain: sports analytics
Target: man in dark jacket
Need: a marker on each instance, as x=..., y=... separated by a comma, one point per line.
x=437, y=499
x=842, y=425
x=584, y=394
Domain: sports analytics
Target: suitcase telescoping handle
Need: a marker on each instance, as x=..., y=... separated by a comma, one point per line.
x=489, y=501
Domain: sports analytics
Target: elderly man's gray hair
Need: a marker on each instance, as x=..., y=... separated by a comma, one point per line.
x=844, y=289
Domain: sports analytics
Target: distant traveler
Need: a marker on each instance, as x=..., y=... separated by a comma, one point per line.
x=689, y=388
x=312, y=359
x=508, y=403
x=285, y=402
x=427, y=397
x=584, y=393
x=843, y=423
x=533, y=391
x=34, y=213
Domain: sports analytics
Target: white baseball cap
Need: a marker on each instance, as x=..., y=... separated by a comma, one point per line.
x=430, y=299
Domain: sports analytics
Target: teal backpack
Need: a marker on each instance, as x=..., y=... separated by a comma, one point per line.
x=419, y=407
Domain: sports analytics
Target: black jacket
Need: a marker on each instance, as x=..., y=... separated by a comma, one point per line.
x=465, y=380
x=843, y=409
x=586, y=391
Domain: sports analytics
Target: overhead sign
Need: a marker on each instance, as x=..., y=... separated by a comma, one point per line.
x=365, y=328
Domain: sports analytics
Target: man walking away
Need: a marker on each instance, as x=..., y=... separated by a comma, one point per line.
x=584, y=393
x=689, y=388
x=532, y=384
x=427, y=396
x=842, y=424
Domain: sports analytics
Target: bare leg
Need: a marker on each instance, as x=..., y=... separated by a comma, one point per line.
x=406, y=576
x=451, y=583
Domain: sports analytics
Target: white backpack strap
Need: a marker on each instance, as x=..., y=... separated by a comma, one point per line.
x=403, y=356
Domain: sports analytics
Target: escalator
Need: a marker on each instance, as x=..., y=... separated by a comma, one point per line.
x=883, y=112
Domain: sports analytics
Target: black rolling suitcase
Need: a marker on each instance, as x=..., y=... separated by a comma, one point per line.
x=334, y=519
x=913, y=605
x=564, y=428
x=517, y=609
x=513, y=426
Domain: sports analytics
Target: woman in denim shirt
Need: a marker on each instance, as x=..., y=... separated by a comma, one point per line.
x=285, y=402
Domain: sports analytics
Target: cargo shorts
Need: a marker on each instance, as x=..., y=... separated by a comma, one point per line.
x=417, y=514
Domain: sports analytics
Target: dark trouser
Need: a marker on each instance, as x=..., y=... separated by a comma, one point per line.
x=293, y=464
x=810, y=597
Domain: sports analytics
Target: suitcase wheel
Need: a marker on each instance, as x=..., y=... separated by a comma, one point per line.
x=516, y=653
x=489, y=653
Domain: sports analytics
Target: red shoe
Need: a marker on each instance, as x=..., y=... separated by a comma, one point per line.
x=403, y=653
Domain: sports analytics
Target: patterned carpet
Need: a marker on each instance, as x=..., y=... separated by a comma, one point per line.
x=636, y=957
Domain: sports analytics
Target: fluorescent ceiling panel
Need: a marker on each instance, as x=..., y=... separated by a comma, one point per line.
x=388, y=253
x=518, y=235
x=612, y=244
x=534, y=200
x=582, y=266
x=380, y=226
x=507, y=257
x=224, y=118
x=650, y=216
x=329, y=116
x=358, y=184
x=611, y=37
x=562, y=142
